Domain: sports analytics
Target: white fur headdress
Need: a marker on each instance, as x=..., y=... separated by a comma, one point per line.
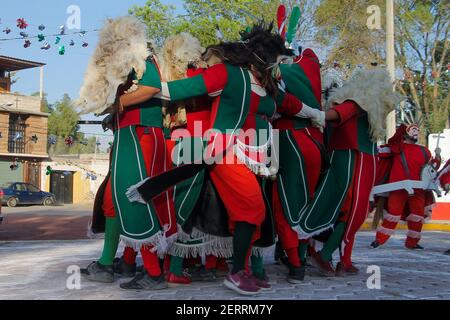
x=122, y=47
x=177, y=52
x=373, y=91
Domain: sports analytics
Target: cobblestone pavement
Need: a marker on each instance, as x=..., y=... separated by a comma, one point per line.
x=38, y=270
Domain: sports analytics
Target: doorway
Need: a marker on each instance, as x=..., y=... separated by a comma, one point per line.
x=61, y=185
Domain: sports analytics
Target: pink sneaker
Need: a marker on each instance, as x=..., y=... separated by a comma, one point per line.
x=262, y=283
x=242, y=283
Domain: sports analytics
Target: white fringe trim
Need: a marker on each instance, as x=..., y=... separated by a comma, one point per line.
x=210, y=245
x=390, y=217
x=92, y=235
x=414, y=234
x=133, y=194
x=159, y=243
x=303, y=235
x=218, y=247
x=385, y=231
x=415, y=218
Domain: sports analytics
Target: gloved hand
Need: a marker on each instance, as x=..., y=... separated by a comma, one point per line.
x=317, y=117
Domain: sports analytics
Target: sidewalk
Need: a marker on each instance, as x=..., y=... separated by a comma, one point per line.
x=37, y=270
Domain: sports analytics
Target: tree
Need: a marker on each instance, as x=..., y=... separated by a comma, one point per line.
x=342, y=29
x=422, y=54
x=203, y=17
x=421, y=34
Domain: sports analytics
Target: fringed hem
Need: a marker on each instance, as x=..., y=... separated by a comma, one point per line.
x=219, y=247
x=133, y=194
x=158, y=243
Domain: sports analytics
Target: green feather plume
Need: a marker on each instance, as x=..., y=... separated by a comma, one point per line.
x=293, y=23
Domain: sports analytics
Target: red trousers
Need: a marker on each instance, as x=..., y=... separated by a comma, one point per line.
x=241, y=194
x=398, y=201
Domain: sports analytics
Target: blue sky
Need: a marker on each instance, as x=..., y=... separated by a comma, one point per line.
x=62, y=74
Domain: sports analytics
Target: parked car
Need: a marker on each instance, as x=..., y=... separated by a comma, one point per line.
x=16, y=193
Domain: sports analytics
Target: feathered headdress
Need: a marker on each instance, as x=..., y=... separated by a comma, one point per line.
x=122, y=47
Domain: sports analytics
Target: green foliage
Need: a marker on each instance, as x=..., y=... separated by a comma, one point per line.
x=202, y=18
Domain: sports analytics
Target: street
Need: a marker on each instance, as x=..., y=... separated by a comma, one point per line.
x=38, y=270
x=25, y=223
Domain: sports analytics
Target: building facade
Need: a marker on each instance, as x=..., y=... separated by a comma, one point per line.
x=23, y=127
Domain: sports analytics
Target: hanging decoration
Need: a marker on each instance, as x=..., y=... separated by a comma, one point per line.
x=21, y=23
x=46, y=46
x=24, y=34
x=57, y=40
x=34, y=138
x=84, y=142
x=82, y=33
x=72, y=43
x=85, y=44
x=14, y=165
x=7, y=30
x=41, y=27
x=62, y=50
x=69, y=141
x=18, y=137
x=62, y=30
x=52, y=140
x=41, y=37
x=49, y=171
x=27, y=44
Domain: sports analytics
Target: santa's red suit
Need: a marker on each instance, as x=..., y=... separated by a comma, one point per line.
x=444, y=177
x=406, y=161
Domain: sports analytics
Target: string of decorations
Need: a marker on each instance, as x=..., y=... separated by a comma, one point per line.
x=22, y=25
x=89, y=174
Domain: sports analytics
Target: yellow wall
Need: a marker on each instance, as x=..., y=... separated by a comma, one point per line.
x=81, y=188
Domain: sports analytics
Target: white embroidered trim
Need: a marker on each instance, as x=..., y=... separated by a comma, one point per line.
x=390, y=217
x=414, y=234
x=386, y=231
x=415, y=218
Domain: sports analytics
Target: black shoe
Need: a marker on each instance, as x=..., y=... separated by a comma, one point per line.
x=447, y=252
x=202, y=274
x=375, y=245
x=296, y=274
x=416, y=247
x=98, y=273
x=143, y=281
x=124, y=269
x=280, y=255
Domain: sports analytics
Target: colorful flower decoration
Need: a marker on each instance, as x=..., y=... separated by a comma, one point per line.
x=7, y=30
x=58, y=40
x=72, y=43
x=21, y=23
x=52, y=140
x=69, y=141
x=34, y=138
x=49, y=171
x=85, y=45
x=27, y=44
x=24, y=34
x=62, y=50
x=41, y=37
x=41, y=27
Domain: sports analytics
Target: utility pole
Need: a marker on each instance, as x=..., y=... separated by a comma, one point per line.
x=390, y=61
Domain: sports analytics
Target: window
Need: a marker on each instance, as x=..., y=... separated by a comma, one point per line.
x=20, y=187
x=16, y=135
x=32, y=188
